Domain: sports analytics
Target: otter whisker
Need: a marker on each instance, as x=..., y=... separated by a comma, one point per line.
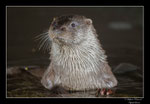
x=46, y=45
x=43, y=34
x=44, y=42
x=46, y=38
x=43, y=38
x=41, y=41
x=38, y=37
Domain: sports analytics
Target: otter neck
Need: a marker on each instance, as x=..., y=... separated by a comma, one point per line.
x=89, y=48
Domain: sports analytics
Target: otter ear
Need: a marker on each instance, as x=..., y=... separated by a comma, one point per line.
x=88, y=21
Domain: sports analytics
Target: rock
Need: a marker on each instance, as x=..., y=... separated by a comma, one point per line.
x=13, y=70
x=34, y=70
x=125, y=67
x=38, y=72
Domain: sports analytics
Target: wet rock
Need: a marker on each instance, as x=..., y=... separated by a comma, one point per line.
x=38, y=72
x=13, y=70
x=27, y=84
x=125, y=67
x=34, y=70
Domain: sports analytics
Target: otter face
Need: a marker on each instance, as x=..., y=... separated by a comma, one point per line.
x=69, y=29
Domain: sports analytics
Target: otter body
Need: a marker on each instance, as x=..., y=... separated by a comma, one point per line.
x=78, y=61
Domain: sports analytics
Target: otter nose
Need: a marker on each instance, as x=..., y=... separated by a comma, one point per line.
x=63, y=28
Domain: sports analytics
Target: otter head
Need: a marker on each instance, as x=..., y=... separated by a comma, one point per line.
x=69, y=29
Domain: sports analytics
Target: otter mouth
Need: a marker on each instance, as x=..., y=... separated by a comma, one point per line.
x=63, y=40
x=58, y=39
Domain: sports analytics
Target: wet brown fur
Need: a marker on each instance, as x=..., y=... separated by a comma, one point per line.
x=79, y=64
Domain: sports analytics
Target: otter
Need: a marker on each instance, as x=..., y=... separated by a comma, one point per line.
x=78, y=61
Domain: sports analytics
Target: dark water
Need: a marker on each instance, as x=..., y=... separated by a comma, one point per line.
x=22, y=84
x=120, y=31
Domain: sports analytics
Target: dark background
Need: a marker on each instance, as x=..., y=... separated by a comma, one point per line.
x=120, y=31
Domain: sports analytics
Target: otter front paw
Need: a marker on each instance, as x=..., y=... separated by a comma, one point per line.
x=47, y=83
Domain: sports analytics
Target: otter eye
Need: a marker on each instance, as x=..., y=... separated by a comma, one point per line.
x=73, y=24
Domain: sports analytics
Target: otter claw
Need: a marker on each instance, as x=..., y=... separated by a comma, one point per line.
x=109, y=92
x=103, y=92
